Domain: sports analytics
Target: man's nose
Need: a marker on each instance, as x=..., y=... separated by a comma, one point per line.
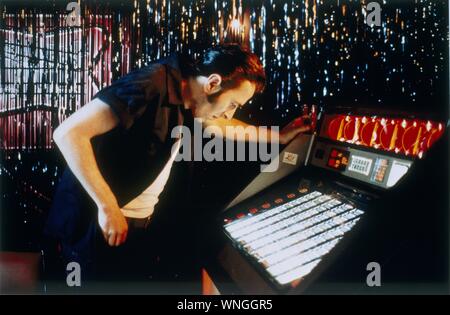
x=229, y=114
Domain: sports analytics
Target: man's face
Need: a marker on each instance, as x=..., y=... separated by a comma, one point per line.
x=218, y=103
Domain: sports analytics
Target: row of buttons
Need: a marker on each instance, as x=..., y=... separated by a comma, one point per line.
x=248, y=220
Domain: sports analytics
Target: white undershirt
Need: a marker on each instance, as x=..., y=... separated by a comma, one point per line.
x=143, y=205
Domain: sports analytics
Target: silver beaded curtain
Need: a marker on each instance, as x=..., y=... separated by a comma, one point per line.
x=314, y=52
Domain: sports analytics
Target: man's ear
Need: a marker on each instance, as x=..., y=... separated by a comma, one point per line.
x=212, y=84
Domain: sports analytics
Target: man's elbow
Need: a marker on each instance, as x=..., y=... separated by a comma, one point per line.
x=66, y=134
x=58, y=135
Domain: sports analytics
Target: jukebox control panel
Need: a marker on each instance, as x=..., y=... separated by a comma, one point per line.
x=372, y=149
x=372, y=168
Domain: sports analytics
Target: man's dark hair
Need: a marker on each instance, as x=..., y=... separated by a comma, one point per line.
x=235, y=64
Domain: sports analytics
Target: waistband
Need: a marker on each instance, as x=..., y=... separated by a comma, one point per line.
x=138, y=223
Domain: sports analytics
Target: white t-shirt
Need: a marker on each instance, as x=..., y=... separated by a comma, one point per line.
x=143, y=205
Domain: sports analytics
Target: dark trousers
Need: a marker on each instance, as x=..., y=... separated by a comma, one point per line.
x=162, y=255
x=151, y=261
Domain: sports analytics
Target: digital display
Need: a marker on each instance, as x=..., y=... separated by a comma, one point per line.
x=360, y=165
x=398, y=170
x=379, y=170
x=338, y=159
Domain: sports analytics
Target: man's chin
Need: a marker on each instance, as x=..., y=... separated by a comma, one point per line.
x=201, y=118
x=214, y=117
x=199, y=115
x=204, y=117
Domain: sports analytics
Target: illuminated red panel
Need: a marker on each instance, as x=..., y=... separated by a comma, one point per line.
x=349, y=128
x=389, y=134
x=368, y=129
x=434, y=135
x=335, y=127
x=411, y=137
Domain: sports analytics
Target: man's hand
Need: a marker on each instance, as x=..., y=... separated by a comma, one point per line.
x=291, y=130
x=113, y=225
x=73, y=138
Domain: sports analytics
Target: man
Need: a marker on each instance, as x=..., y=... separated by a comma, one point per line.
x=118, y=151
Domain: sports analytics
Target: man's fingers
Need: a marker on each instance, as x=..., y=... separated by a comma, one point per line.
x=125, y=235
x=301, y=121
x=299, y=130
x=120, y=239
x=112, y=239
x=105, y=236
x=304, y=128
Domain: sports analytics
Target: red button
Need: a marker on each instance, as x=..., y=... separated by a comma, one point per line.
x=331, y=162
x=334, y=153
x=253, y=210
x=240, y=215
x=266, y=205
x=291, y=195
x=279, y=200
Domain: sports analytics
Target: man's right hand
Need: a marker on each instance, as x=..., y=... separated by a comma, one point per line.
x=73, y=138
x=113, y=225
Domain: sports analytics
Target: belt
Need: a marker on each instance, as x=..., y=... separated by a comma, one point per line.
x=138, y=223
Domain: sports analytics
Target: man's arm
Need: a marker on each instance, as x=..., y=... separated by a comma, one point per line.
x=73, y=138
x=284, y=136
